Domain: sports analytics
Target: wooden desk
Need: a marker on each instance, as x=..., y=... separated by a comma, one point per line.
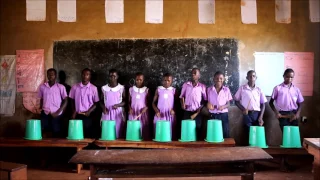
x=15, y=171
x=229, y=142
x=312, y=145
x=46, y=142
x=183, y=162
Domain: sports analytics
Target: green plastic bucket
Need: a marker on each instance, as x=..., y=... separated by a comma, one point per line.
x=214, y=131
x=133, y=130
x=257, y=137
x=291, y=137
x=188, y=130
x=108, y=130
x=163, y=131
x=33, y=130
x=75, y=130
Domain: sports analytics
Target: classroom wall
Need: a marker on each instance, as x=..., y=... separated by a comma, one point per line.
x=180, y=21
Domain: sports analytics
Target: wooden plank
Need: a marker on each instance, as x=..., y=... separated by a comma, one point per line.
x=47, y=142
x=229, y=142
x=9, y=166
x=315, y=142
x=21, y=174
x=170, y=156
x=277, y=150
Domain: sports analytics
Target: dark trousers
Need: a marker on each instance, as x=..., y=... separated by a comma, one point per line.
x=286, y=121
x=87, y=125
x=251, y=119
x=49, y=123
x=198, y=119
x=225, y=122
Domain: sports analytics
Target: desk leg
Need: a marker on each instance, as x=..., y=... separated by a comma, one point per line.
x=316, y=168
x=250, y=172
x=20, y=174
x=79, y=166
x=92, y=173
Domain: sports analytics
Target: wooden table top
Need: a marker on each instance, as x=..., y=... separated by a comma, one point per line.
x=170, y=156
x=314, y=142
x=45, y=142
x=229, y=142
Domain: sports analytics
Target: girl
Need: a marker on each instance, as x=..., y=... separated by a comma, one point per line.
x=138, y=110
x=288, y=101
x=164, y=95
x=113, y=95
x=219, y=98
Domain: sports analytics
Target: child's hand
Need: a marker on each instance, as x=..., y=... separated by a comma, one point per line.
x=294, y=117
x=115, y=107
x=144, y=110
x=172, y=112
x=183, y=106
x=54, y=115
x=210, y=106
x=158, y=114
x=245, y=112
x=220, y=108
x=106, y=111
x=74, y=115
x=260, y=121
x=131, y=111
x=278, y=115
x=87, y=113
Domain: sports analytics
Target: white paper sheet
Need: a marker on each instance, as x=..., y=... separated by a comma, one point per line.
x=249, y=12
x=314, y=8
x=269, y=67
x=114, y=11
x=67, y=10
x=206, y=11
x=154, y=11
x=283, y=11
x=36, y=10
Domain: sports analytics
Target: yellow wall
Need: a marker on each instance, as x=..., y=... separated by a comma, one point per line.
x=180, y=21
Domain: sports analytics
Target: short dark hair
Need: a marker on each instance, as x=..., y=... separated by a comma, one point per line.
x=52, y=69
x=218, y=73
x=167, y=75
x=139, y=74
x=250, y=72
x=287, y=71
x=113, y=71
x=86, y=69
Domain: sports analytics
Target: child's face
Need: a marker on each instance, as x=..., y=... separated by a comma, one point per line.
x=113, y=77
x=251, y=77
x=86, y=76
x=195, y=74
x=139, y=81
x=288, y=78
x=218, y=80
x=167, y=81
x=51, y=75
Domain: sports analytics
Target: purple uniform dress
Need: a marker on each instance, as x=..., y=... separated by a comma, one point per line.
x=138, y=102
x=165, y=105
x=113, y=96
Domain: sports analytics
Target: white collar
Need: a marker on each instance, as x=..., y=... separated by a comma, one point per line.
x=139, y=90
x=114, y=89
x=169, y=88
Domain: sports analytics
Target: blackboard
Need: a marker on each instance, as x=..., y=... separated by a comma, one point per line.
x=153, y=57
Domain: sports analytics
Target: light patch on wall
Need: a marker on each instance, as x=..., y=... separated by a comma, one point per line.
x=114, y=11
x=283, y=11
x=36, y=10
x=154, y=11
x=67, y=10
x=206, y=11
x=249, y=12
x=314, y=8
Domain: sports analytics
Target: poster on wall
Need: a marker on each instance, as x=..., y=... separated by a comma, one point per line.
x=114, y=11
x=36, y=10
x=206, y=11
x=7, y=84
x=249, y=12
x=302, y=63
x=265, y=62
x=67, y=10
x=314, y=10
x=154, y=11
x=29, y=70
x=31, y=102
x=283, y=11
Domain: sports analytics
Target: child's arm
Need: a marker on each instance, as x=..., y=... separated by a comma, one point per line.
x=237, y=98
x=123, y=102
x=73, y=106
x=224, y=106
x=129, y=104
x=278, y=115
x=103, y=107
x=297, y=115
x=262, y=108
x=154, y=106
x=62, y=107
x=147, y=100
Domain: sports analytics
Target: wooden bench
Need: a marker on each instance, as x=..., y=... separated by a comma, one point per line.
x=312, y=145
x=46, y=142
x=183, y=162
x=283, y=153
x=229, y=142
x=15, y=171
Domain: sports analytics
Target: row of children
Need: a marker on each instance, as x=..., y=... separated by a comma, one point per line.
x=194, y=96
